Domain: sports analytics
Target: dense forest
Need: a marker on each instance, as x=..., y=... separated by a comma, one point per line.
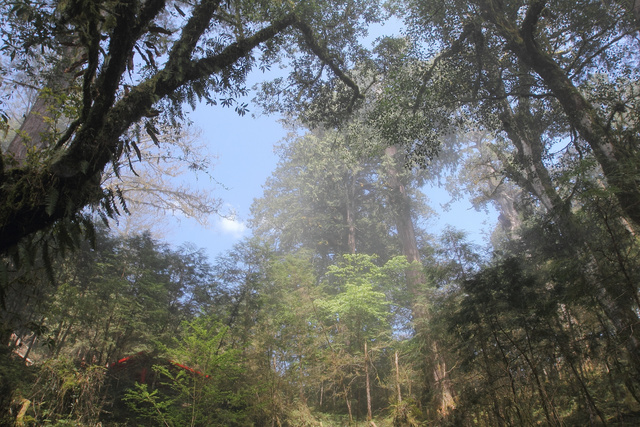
x=343, y=307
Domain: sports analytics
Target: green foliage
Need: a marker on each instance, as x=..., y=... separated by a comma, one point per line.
x=330, y=194
x=527, y=353
x=147, y=405
x=105, y=302
x=201, y=385
x=360, y=304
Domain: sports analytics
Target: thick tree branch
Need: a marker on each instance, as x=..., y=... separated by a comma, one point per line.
x=130, y=109
x=196, y=26
x=530, y=23
x=325, y=56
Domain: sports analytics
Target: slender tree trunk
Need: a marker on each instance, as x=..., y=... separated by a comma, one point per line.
x=29, y=347
x=351, y=228
x=37, y=122
x=508, y=370
x=402, y=205
x=398, y=389
x=547, y=405
x=491, y=381
x=367, y=381
x=348, y=402
x=62, y=340
x=567, y=347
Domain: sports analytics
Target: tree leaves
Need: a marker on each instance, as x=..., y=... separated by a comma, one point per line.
x=208, y=58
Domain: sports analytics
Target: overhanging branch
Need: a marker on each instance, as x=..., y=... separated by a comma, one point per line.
x=325, y=56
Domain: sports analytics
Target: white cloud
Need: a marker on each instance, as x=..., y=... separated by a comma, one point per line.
x=231, y=226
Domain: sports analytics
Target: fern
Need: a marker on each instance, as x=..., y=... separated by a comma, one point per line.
x=52, y=201
x=122, y=200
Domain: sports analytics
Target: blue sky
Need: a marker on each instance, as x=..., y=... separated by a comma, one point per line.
x=245, y=158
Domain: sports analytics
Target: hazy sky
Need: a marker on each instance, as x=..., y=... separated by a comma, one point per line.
x=244, y=147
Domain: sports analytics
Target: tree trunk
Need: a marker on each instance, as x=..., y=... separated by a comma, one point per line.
x=401, y=203
x=37, y=122
x=529, y=172
x=348, y=402
x=398, y=390
x=31, y=130
x=367, y=382
x=29, y=347
x=351, y=228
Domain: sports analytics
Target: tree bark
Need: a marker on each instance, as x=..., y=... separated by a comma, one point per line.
x=350, y=214
x=533, y=176
x=398, y=389
x=401, y=203
x=348, y=402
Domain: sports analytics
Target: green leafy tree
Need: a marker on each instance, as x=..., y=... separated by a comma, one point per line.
x=331, y=194
x=138, y=63
x=359, y=314
x=208, y=392
x=529, y=351
x=123, y=296
x=287, y=348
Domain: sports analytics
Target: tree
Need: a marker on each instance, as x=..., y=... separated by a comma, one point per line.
x=609, y=145
x=126, y=295
x=359, y=311
x=529, y=350
x=139, y=62
x=202, y=385
x=565, y=80
x=331, y=193
x=577, y=64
